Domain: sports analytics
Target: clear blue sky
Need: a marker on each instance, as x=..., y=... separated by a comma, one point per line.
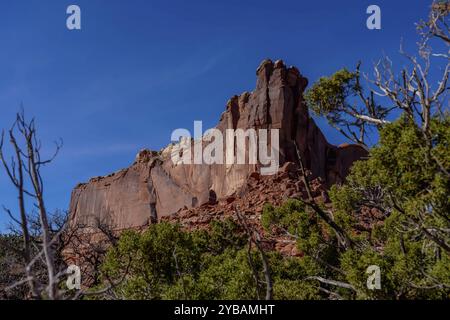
x=139, y=69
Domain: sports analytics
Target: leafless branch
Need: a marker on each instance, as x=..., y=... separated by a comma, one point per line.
x=255, y=238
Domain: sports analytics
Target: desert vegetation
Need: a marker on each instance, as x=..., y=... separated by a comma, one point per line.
x=392, y=211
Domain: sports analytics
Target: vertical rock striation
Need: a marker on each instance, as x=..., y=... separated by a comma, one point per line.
x=154, y=187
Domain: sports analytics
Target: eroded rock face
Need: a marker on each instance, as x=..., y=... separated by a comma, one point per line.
x=154, y=187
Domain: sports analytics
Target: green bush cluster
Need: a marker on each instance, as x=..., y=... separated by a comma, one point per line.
x=166, y=262
x=408, y=239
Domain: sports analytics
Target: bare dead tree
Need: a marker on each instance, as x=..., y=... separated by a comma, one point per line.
x=15, y=172
x=436, y=26
x=342, y=236
x=88, y=245
x=412, y=91
x=255, y=238
x=409, y=91
x=24, y=169
x=414, y=94
x=45, y=236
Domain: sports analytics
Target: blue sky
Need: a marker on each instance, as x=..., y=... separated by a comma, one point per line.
x=139, y=69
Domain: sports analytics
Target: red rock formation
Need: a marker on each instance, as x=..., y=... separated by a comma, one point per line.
x=250, y=200
x=154, y=187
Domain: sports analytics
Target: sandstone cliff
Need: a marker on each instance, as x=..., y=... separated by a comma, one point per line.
x=153, y=187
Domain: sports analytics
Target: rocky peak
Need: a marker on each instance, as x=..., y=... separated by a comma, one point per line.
x=153, y=187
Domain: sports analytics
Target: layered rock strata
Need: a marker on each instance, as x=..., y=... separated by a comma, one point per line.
x=154, y=187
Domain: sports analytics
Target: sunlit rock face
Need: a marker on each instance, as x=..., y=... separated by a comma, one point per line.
x=154, y=187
